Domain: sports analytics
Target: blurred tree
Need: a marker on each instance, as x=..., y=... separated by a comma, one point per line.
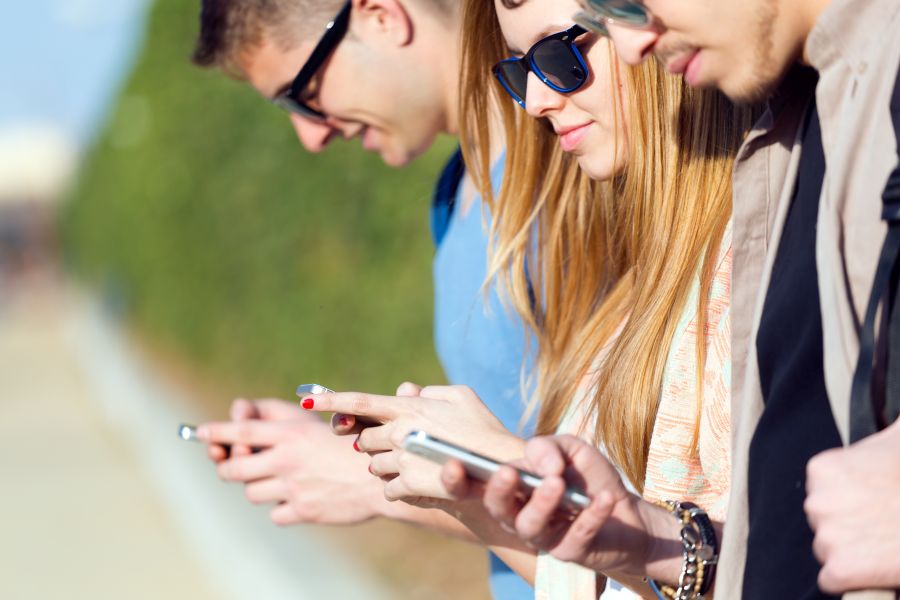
x=227, y=243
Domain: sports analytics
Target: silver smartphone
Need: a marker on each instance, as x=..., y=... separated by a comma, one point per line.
x=481, y=467
x=312, y=388
x=188, y=433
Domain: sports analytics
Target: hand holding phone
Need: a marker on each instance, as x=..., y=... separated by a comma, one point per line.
x=481, y=468
x=360, y=421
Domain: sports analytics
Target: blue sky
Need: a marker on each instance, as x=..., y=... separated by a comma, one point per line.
x=61, y=61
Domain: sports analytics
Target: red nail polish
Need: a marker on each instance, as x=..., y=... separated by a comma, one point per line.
x=342, y=421
x=308, y=403
x=356, y=446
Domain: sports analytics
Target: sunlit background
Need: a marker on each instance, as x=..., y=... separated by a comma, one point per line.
x=165, y=247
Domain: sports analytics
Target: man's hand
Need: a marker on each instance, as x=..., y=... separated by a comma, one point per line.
x=310, y=475
x=617, y=534
x=853, y=506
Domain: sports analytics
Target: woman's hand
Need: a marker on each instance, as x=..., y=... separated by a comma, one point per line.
x=287, y=457
x=452, y=413
x=617, y=533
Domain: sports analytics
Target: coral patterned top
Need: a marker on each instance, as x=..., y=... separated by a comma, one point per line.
x=674, y=470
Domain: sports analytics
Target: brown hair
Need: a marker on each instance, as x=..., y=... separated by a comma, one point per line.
x=229, y=28
x=610, y=264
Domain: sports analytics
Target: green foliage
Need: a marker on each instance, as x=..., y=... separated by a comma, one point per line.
x=259, y=263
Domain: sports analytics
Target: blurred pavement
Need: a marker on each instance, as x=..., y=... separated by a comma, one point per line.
x=100, y=499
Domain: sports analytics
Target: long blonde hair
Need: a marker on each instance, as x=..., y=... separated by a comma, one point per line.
x=582, y=260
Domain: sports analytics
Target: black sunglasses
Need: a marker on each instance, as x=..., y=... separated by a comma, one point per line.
x=555, y=60
x=291, y=99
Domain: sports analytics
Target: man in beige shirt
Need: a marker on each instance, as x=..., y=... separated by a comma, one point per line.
x=807, y=237
x=808, y=233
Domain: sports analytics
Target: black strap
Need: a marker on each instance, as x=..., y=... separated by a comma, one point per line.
x=891, y=410
x=444, y=200
x=875, y=396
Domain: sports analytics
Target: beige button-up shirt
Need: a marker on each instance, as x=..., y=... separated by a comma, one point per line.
x=855, y=48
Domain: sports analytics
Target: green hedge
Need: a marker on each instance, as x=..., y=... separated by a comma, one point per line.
x=251, y=259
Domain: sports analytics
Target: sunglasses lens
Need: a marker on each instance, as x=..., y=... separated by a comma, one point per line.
x=286, y=102
x=557, y=62
x=514, y=77
x=626, y=12
x=591, y=24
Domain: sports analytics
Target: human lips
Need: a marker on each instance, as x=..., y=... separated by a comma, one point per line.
x=570, y=137
x=687, y=64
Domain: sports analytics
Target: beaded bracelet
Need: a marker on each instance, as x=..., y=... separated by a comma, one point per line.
x=701, y=552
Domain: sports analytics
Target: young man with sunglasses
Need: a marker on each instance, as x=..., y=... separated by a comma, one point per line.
x=385, y=71
x=816, y=186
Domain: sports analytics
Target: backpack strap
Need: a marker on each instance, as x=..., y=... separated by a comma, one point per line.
x=444, y=199
x=875, y=395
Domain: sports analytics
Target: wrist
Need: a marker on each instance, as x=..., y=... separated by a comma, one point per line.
x=655, y=552
x=698, y=537
x=664, y=547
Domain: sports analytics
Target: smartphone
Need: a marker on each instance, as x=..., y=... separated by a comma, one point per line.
x=481, y=467
x=315, y=388
x=188, y=433
x=312, y=388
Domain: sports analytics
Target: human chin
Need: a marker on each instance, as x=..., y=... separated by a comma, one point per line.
x=599, y=167
x=400, y=150
x=748, y=86
x=391, y=154
x=395, y=153
x=393, y=157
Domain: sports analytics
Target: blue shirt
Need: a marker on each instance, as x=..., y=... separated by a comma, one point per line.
x=480, y=343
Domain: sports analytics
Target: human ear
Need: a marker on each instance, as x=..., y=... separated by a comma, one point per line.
x=385, y=20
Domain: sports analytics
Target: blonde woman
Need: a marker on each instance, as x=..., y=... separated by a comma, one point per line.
x=612, y=239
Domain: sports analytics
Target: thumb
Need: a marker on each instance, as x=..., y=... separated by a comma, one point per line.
x=457, y=483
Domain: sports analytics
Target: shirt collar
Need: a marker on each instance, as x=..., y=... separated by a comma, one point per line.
x=846, y=30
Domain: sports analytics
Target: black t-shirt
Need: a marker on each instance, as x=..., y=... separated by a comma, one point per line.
x=797, y=422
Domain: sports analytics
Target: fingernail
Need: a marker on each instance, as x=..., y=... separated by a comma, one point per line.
x=356, y=445
x=308, y=403
x=371, y=472
x=202, y=433
x=342, y=421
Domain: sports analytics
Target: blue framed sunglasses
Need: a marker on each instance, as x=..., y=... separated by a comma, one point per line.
x=555, y=60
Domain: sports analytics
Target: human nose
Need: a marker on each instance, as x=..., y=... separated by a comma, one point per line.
x=541, y=99
x=312, y=134
x=633, y=45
